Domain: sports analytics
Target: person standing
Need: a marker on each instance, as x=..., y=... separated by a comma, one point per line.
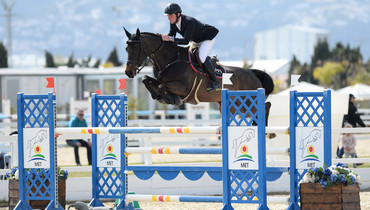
x=79, y=121
x=353, y=117
x=193, y=30
x=349, y=145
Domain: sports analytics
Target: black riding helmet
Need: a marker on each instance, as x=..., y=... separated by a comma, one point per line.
x=172, y=8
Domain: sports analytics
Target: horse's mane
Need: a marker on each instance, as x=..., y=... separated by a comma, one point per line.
x=160, y=37
x=151, y=34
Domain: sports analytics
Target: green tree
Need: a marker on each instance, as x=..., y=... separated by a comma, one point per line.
x=3, y=56
x=295, y=68
x=97, y=63
x=85, y=63
x=71, y=61
x=362, y=77
x=49, y=60
x=329, y=74
x=321, y=54
x=113, y=58
x=351, y=59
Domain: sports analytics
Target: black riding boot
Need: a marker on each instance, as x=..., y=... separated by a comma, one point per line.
x=211, y=70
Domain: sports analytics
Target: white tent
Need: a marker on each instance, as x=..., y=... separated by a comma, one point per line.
x=360, y=91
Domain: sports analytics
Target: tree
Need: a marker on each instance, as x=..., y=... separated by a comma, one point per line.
x=329, y=74
x=97, y=63
x=113, y=58
x=49, y=60
x=71, y=61
x=321, y=54
x=3, y=56
x=351, y=59
x=85, y=63
x=295, y=68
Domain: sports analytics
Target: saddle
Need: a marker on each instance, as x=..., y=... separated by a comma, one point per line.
x=197, y=65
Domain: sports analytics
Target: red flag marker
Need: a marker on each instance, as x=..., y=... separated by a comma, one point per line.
x=50, y=83
x=98, y=92
x=122, y=85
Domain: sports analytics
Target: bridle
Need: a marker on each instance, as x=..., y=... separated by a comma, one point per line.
x=150, y=56
x=138, y=68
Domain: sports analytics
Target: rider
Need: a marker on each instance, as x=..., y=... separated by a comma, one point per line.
x=192, y=30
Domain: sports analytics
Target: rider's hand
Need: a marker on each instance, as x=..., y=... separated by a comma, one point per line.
x=165, y=37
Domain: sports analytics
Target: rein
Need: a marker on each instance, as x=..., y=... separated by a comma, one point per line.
x=155, y=59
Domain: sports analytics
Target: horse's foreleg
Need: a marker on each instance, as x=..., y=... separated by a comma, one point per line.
x=151, y=85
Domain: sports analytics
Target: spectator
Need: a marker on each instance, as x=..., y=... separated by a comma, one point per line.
x=349, y=145
x=353, y=117
x=79, y=121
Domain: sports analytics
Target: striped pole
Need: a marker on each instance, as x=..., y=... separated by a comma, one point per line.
x=174, y=198
x=128, y=130
x=171, y=150
x=159, y=130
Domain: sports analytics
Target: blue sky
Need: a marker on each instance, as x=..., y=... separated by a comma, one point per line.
x=94, y=26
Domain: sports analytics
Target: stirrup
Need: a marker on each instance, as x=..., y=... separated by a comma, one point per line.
x=214, y=87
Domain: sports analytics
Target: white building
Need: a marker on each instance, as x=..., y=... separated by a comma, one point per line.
x=73, y=83
x=286, y=41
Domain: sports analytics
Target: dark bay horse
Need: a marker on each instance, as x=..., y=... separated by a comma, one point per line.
x=175, y=82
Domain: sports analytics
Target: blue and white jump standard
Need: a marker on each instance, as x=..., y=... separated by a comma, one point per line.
x=310, y=136
x=37, y=150
x=244, y=173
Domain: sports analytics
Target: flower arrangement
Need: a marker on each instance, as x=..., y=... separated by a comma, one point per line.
x=330, y=176
x=14, y=173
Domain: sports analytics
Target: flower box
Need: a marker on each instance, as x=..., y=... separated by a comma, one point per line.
x=35, y=204
x=314, y=196
x=13, y=193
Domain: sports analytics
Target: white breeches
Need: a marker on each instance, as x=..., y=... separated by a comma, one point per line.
x=205, y=48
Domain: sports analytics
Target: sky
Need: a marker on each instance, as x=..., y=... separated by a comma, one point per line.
x=94, y=27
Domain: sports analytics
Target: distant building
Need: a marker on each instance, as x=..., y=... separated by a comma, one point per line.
x=286, y=41
x=73, y=83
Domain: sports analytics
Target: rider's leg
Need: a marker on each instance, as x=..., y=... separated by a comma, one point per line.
x=204, y=49
x=211, y=70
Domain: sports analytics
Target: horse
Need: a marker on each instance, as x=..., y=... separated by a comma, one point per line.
x=176, y=79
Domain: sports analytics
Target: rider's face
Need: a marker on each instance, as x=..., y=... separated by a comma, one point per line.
x=172, y=18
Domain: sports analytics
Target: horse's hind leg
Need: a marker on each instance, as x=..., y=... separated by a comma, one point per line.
x=168, y=97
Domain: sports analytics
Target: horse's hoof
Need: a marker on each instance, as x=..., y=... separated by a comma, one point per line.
x=178, y=101
x=270, y=135
x=162, y=101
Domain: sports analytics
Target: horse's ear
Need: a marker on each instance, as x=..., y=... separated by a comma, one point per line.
x=127, y=33
x=137, y=32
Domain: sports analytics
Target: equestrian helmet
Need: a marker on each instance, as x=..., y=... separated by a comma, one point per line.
x=172, y=8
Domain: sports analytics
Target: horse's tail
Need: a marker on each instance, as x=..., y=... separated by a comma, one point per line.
x=266, y=81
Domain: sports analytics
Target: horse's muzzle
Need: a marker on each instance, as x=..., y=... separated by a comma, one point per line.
x=130, y=71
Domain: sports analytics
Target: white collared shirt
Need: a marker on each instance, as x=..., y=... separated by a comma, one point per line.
x=178, y=24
